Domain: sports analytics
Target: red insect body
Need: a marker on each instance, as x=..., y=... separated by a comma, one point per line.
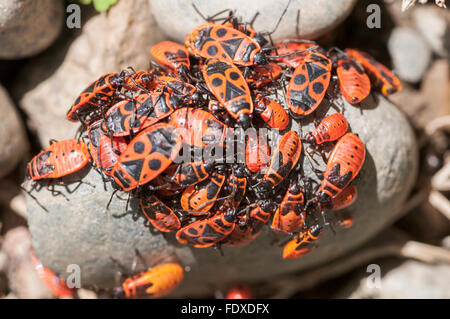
x=292, y=60
x=171, y=55
x=147, y=156
x=99, y=92
x=104, y=150
x=353, y=81
x=343, y=166
x=224, y=43
x=264, y=75
x=160, y=215
x=109, y=152
x=238, y=184
x=228, y=85
x=290, y=216
x=252, y=225
x=58, y=160
x=331, y=128
x=137, y=114
x=187, y=174
x=302, y=245
x=198, y=128
x=196, y=196
x=346, y=198
x=257, y=152
x=271, y=112
x=209, y=231
x=56, y=285
x=154, y=283
x=283, y=160
x=380, y=76
x=141, y=80
x=309, y=84
x=184, y=91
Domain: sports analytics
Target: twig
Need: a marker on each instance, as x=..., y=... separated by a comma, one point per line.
x=437, y=124
x=425, y=253
x=441, y=179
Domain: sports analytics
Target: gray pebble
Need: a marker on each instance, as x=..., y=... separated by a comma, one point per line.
x=433, y=25
x=410, y=54
x=12, y=133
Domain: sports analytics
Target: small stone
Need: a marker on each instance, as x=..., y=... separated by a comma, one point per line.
x=317, y=17
x=436, y=90
x=432, y=100
x=446, y=242
x=23, y=279
x=83, y=232
x=111, y=42
x=12, y=133
x=18, y=205
x=28, y=27
x=410, y=54
x=86, y=294
x=433, y=24
x=408, y=280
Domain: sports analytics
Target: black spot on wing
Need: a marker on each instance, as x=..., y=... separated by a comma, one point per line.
x=212, y=50
x=318, y=87
x=192, y=231
x=221, y=32
x=217, y=82
x=299, y=79
x=154, y=164
x=234, y=76
x=139, y=147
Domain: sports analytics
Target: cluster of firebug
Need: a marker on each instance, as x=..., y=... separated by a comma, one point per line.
x=225, y=77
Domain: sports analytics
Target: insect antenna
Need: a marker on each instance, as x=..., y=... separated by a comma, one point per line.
x=33, y=197
x=211, y=18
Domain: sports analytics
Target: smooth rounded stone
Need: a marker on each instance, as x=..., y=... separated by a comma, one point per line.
x=28, y=27
x=433, y=24
x=12, y=133
x=50, y=83
x=176, y=18
x=82, y=232
x=410, y=54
